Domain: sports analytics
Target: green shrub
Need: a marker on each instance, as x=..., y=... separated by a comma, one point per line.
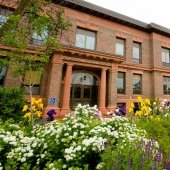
x=137, y=155
x=11, y=103
x=158, y=129
x=75, y=143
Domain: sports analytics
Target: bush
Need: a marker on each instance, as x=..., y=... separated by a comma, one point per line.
x=158, y=129
x=11, y=103
x=75, y=143
x=139, y=155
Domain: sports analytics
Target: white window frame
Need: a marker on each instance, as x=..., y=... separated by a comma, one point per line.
x=82, y=38
x=120, y=46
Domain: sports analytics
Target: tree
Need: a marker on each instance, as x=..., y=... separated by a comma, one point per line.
x=39, y=20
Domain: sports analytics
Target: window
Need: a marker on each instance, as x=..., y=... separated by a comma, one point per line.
x=166, y=85
x=137, y=83
x=136, y=107
x=136, y=52
x=120, y=47
x=165, y=57
x=121, y=83
x=32, y=78
x=2, y=20
x=3, y=15
x=119, y=105
x=38, y=39
x=86, y=39
x=2, y=75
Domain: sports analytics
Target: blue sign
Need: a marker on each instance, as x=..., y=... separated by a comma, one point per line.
x=52, y=100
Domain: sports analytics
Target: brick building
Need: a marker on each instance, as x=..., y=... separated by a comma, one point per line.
x=108, y=59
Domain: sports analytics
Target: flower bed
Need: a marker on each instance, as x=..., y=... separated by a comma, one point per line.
x=78, y=142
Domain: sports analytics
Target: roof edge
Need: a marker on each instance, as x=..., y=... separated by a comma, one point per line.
x=96, y=10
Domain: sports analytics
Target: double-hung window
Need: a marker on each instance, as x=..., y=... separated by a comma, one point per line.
x=4, y=13
x=121, y=83
x=2, y=20
x=136, y=52
x=165, y=57
x=120, y=47
x=166, y=85
x=32, y=78
x=85, y=39
x=137, y=84
x=39, y=39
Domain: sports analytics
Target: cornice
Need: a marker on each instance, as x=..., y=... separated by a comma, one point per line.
x=96, y=55
x=144, y=68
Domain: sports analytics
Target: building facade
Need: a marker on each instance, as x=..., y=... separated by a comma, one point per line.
x=107, y=59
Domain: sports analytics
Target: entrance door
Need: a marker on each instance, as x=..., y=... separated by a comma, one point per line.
x=84, y=90
x=81, y=94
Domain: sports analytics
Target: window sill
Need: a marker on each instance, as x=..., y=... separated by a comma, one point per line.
x=122, y=95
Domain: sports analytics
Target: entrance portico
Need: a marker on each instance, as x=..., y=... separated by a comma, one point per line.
x=85, y=81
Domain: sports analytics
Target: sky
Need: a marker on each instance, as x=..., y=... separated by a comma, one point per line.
x=157, y=11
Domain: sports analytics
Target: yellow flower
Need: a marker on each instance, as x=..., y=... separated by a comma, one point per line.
x=138, y=113
x=25, y=108
x=34, y=108
x=158, y=118
x=142, y=103
x=36, y=102
x=38, y=114
x=28, y=116
x=144, y=108
x=39, y=100
x=147, y=102
x=33, y=101
x=132, y=105
x=146, y=113
x=151, y=117
x=130, y=110
x=139, y=99
x=40, y=106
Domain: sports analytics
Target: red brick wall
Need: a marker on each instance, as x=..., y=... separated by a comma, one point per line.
x=151, y=67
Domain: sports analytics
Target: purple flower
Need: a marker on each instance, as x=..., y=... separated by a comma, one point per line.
x=51, y=114
x=119, y=160
x=141, y=163
x=98, y=114
x=159, y=156
x=167, y=165
x=148, y=150
x=154, y=167
x=129, y=163
x=120, y=111
x=123, y=110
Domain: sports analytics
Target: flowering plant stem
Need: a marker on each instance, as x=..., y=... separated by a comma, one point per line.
x=32, y=113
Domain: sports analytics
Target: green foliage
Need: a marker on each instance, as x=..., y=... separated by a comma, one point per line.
x=3, y=62
x=75, y=143
x=11, y=103
x=158, y=129
x=79, y=141
x=130, y=156
x=52, y=42
x=31, y=20
x=40, y=18
x=13, y=36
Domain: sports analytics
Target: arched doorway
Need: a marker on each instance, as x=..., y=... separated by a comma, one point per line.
x=84, y=89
